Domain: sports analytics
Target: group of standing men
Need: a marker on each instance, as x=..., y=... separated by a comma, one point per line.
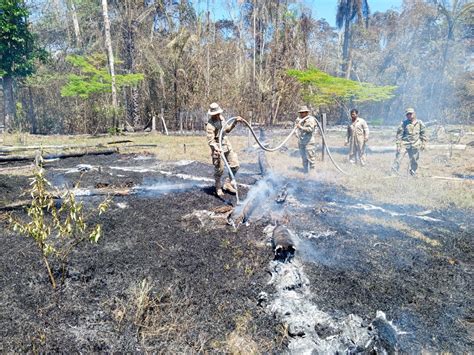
x=410, y=139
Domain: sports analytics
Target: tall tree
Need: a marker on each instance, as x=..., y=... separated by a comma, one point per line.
x=110, y=54
x=18, y=52
x=348, y=13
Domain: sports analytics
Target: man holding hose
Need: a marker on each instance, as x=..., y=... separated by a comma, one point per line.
x=306, y=126
x=213, y=128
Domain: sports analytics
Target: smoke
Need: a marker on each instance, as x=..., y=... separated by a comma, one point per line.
x=160, y=188
x=260, y=200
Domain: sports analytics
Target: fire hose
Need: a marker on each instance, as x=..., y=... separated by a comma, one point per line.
x=261, y=145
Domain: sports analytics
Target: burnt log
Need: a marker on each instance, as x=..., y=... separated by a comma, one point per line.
x=282, y=194
x=59, y=155
x=282, y=243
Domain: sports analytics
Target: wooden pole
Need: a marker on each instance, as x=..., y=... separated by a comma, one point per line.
x=323, y=127
x=162, y=116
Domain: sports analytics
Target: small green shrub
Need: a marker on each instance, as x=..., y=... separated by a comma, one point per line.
x=56, y=231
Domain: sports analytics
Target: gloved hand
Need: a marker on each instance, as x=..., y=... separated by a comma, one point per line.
x=423, y=146
x=346, y=144
x=399, y=148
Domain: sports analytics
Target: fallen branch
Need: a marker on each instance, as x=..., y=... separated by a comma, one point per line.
x=450, y=178
x=59, y=155
x=57, y=195
x=139, y=146
x=386, y=149
x=15, y=205
x=37, y=147
x=66, y=146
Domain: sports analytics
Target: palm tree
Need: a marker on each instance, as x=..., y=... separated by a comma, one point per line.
x=349, y=12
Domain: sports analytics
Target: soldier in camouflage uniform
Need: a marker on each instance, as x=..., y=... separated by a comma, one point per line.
x=411, y=138
x=357, y=137
x=306, y=125
x=213, y=128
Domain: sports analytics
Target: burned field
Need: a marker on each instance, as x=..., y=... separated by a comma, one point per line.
x=170, y=274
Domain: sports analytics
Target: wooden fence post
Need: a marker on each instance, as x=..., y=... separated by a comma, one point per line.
x=323, y=127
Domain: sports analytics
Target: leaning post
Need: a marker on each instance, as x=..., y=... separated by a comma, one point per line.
x=323, y=127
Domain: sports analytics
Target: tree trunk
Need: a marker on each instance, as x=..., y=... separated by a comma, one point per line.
x=31, y=112
x=110, y=53
x=208, y=55
x=133, y=112
x=346, y=50
x=75, y=22
x=9, y=101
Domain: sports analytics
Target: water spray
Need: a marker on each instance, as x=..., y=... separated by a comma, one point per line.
x=261, y=145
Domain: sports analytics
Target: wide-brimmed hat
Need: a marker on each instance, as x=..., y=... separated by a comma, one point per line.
x=409, y=110
x=303, y=109
x=214, y=109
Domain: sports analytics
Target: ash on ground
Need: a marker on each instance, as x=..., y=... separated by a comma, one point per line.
x=170, y=274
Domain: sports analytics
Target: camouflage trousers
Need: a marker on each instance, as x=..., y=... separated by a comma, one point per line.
x=219, y=165
x=413, y=155
x=308, y=155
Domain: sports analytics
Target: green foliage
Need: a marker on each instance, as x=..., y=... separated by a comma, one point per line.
x=325, y=89
x=94, y=77
x=114, y=131
x=56, y=231
x=18, y=48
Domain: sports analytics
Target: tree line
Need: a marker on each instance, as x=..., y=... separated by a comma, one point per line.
x=88, y=66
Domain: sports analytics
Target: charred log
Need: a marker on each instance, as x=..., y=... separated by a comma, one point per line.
x=58, y=155
x=282, y=194
x=283, y=244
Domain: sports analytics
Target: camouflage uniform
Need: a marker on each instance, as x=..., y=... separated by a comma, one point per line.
x=357, y=136
x=213, y=129
x=306, y=141
x=411, y=138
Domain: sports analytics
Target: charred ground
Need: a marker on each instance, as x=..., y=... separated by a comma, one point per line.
x=158, y=281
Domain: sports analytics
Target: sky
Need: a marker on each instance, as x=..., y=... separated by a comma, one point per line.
x=327, y=8
x=319, y=8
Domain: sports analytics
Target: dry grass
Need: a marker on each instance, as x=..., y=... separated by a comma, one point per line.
x=157, y=318
x=378, y=183
x=239, y=341
x=373, y=181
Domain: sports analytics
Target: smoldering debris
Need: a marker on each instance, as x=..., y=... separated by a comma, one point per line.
x=314, y=331
x=310, y=329
x=208, y=218
x=259, y=201
x=283, y=243
x=282, y=194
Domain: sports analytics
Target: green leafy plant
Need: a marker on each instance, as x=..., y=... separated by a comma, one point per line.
x=325, y=89
x=56, y=231
x=94, y=77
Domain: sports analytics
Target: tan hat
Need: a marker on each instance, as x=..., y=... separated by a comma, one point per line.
x=303, y=109
x=214, y=109
x=409, y=110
